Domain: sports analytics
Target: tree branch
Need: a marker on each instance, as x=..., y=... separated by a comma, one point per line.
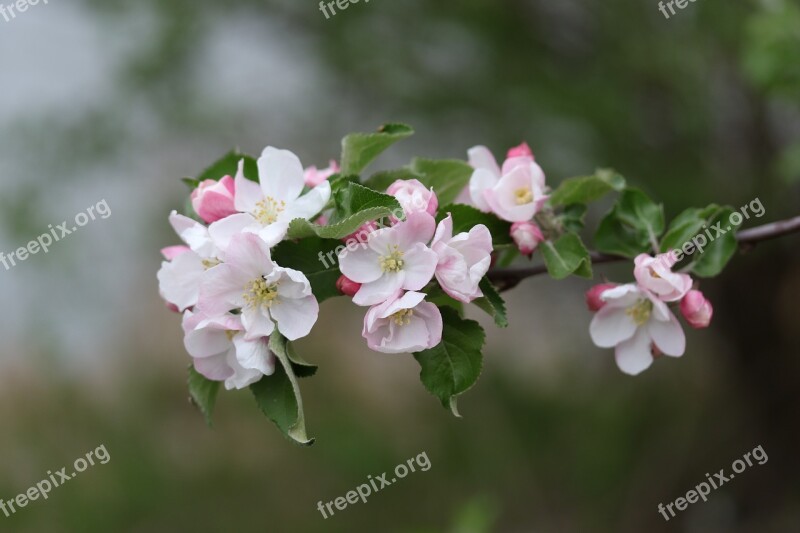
x=508, y=278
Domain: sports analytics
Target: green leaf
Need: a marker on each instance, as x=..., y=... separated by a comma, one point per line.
x=692, y=223
x=567, y=256
x=448, y=177
x=360, y=149
x=492, y=303
x=228, y=165
x=380, y=181
x=453, y=366
x=314, y=257
x=572, y=217
x=202, y=393
x=586, y=189
x=191, y=183
x=437, y=296
x=682, y=228
x=466, y=217
x=278, y=395
x=632, y=226
x=301, y=367
x=355, y=206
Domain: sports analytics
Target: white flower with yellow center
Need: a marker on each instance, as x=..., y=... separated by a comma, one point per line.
x=266, y=295
x=266, y=208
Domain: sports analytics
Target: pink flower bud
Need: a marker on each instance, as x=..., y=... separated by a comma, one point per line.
x=347, y=286
x=696, y=310
x=314, y=176
x=414, y=196
x=523, y=150
x=213, y=200
x=527, y=236
x=593, y=300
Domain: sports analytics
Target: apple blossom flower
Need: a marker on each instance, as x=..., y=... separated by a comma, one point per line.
x=269, y=296
x=179, y=276
x=697, y=310
x=593, y=296
x=633, y=320
x=403, y=324
x=526, y=236
x=394, y=258
x=347, y=286
x=414, y=196
x=213, y=200
x=314, y=176
x=266, y=208
x=220, y=351
x=655, y=274
x=523, y=150
x=515, y=192
x=463, y=259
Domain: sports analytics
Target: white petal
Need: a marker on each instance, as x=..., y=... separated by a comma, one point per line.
x=221, y=290
x=179, y=280
x=206, y=342
x=482, y=157
x=634, y=355
x=379, y=290
x=249, y=255
x=215, y=368
x=481, y=181
x=610, y=326
x=281, y=174
x=295, y=318
x=362, y=266
x=310, y=203
x=668, y=336
x=420, y=265
x=248, y=192
x=254, y=355
x=222, y=231
x=256, y=323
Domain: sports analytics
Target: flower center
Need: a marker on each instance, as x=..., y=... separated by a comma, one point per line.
x=403, y=317
x=230, y=334
x=392, y=262
x=259, y=294
x=523, y=196
x=640, y=312
x=268, y=209
x=210, y=263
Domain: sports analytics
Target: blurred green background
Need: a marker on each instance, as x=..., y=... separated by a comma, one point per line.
x=115, y=100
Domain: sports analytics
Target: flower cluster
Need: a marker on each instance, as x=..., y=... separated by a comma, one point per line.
x=635, y=318
x=223, y=279
x=398, y=261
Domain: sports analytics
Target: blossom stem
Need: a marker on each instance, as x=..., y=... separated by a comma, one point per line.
x=508, y=278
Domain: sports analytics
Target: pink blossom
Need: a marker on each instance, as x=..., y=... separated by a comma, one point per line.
x=463, y=259
x=526, y=236
x=213, y=200
x=394, y=258
x=697, y=310
x=403, y=324
x=655, y=274
x=632, y=321
x=414, y=196
x=314, y=176
x=594, y=296
x=523, y=150
x=347, y=286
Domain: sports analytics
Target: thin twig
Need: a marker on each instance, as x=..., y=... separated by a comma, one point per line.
x=508, y=278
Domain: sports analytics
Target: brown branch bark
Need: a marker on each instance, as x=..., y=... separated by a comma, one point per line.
x=508, y=278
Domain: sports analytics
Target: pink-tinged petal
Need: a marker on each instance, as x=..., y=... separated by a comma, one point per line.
x=481, y=181
x=420, y=266
x=668, y=336
x=248, y=192
x=362, y=266
x=273, y=233
x=254, y=355
x=379, y=290
x=249, y=255
x=347, y=286
x=181, y=223
x=295, y=318
x=418, y=227
x=213, y=200
x=697, y=310
x=281, y=174
x=171, y=252
x=242, y=377
x=194, y=234
x=622, y=295
x=523, y=150
x=215, y=368
x=291, y=283
x=444, y=231
x=408, y=338
x=222, y=290
x=256, y=323
x=433, y=318
x=481, y=157
x=611, y=326
x=309, y=204
x=222, y=231
x=206, y=342
x=513, y=163
x=594, y=295
x=179, y=280
x=634, y=355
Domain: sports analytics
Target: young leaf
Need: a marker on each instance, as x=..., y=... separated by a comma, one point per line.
x=466, y=217
x=202, y=393
x=566, y=256
x=360, y=149
x=314, y=257
x=278, y=395
x=586, y=189
x=452, y=367
x=448, y=177
x=572, y=217
x=492, y=303
x=632, y=226
x=615, y=238
x=228, y=165
x=722, y=248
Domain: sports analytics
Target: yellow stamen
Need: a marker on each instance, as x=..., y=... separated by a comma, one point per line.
x=258, y=294
x=403, y=317
x=523, y=196
x=210, y=263
x=393, y=262
x=640, y=312
x=268, y=209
